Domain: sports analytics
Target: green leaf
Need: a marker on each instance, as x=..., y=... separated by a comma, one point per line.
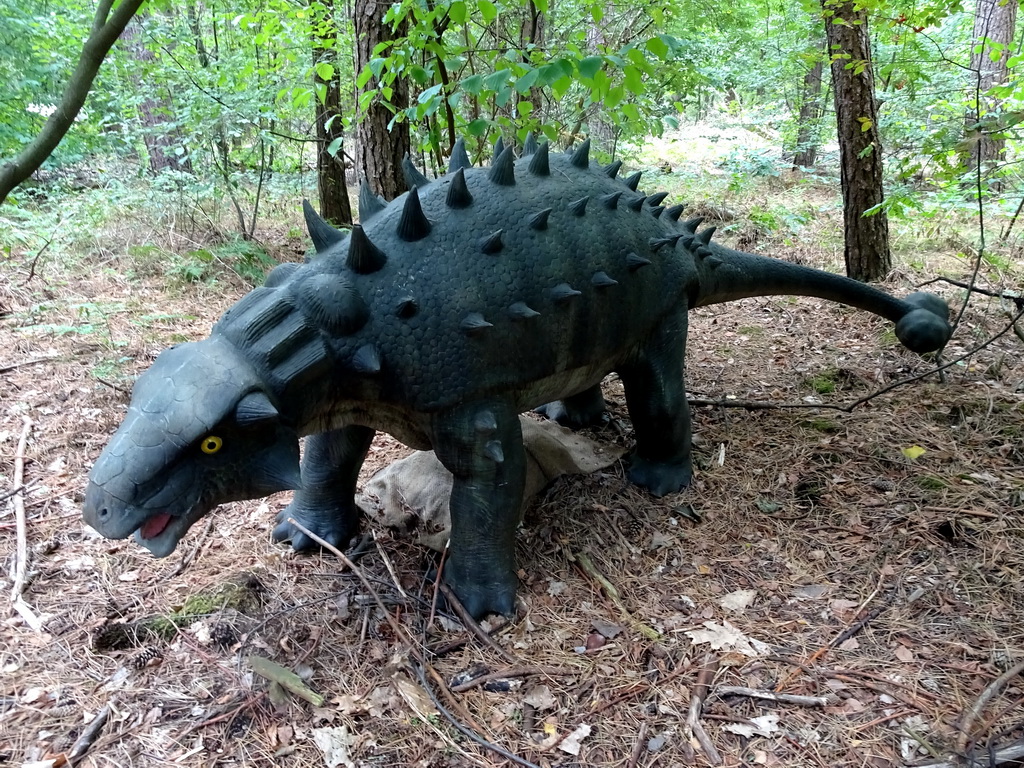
x=364, y=77
x=488, y=10
x=913, y=452
x=541, y=5
x=325, y=71
x=658, y=47
x=633, y=79
x=335, y=146
x=596, y=13
x=496, y=80
x=614, y=97
x=527, y=81
x=457, y=12
x=525, y=109
x=473, y=84
x=589, y=66
x=630, y=111
x=478, y=127
x=555, y=70
x=429, y=94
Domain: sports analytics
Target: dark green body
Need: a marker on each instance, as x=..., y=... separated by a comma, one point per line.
x=449, y=312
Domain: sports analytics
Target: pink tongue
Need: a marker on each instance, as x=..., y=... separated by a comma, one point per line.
x=155, y=525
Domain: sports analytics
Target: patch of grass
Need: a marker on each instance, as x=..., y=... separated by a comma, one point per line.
x=824, y=383
x=931, y=482
x=819, y=424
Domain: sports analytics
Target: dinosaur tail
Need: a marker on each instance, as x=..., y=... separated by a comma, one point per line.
x=726, y=275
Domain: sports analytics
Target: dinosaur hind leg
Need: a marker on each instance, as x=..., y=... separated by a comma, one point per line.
x=584, y=409
x=656, y=398
x=326, y=502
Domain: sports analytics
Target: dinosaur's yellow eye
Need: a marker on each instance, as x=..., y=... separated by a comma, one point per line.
x=211, y=444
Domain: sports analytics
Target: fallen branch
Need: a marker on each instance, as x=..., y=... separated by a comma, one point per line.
x=471, y=624
x=21, y=526
x=476, y=682
x=34, y=361
x=781, y=698
x=1011, y=753
x=699, y=694
x=638, y=747
x=613, y=594
x=92, y=732
x=972, y=712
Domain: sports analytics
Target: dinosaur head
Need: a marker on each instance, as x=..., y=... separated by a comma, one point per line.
x=199, y=432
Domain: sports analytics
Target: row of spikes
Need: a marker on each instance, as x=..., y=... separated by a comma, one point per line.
x=364, y=257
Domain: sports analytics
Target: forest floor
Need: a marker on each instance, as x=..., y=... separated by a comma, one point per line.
x=871, y=560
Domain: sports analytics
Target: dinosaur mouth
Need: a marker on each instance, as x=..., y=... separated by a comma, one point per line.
x=154, y=526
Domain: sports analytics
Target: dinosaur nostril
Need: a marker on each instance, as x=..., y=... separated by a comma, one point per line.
x=103, y=513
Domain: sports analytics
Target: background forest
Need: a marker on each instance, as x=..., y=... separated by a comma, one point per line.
x=853, y=534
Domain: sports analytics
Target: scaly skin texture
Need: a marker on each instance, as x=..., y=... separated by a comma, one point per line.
x=440, y=319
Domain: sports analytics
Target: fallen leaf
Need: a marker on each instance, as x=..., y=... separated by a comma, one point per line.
x=555, y=588
x=765, y=725
x=850, y=644
x=571, y=743
x=904, y=654
x=607, y=628
x=727, y=637
x=334, y=743
x=540, y=697
x=913, y=452
x=414, y=696
x=739, y=600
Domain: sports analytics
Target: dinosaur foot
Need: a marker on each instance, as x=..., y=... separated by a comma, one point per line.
x=660, y=478
x=334, y=527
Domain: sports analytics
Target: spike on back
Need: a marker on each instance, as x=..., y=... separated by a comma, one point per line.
x=367, y=359
x=539, y=220
x=579, y=207
x=633, y=181
x=635, y=262
x=499, y=147
x=459, y=158
x=581, y=157
x=530, y=144
x=369, y=204
x=363, y=256
x=458, y=192
x=690, y=225
x=503, y=171
x=539, y=162
x=413, y=224
x=636, y=203
x=322, y=233
x=611, y=201
x=413, y=177
x=675, y=211
x=613, y=170
x=491, y=243
x=657, y=198
x=704, y=236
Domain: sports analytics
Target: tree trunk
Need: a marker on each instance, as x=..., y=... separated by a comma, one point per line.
x=860, y=148
x=330, y=165
x=162, y=139
x=106, y=28
x=994, y=22
x=809, y=121
x=379, y=152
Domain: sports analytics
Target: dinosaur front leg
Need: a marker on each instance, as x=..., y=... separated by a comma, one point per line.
x=656, y=398
x=325, y=504
x=584, y=409
x=482, y=446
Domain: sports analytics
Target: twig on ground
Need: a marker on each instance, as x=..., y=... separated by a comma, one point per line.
x=638, y=747
x=387, y=564
x=973, y=288
x=471, y=624
x=1011, y=753
x=501, y=674
x=697, y=697
x=972, y=712
x=21, y=525
x=92, y=732
x=613, y=594
x=115, y=387
x=229, y=714
x=781, y=698
x=34, y=361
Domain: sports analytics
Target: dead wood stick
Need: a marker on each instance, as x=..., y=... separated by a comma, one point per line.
x=697, y=697
x=781, y=698
x=972, y=712
x=476, y=682
x=12, y=366
x=92, y=732
x=21, y=527
x=613, y=594
x=904, y=697
x=638, y=748
x=1008, y=754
